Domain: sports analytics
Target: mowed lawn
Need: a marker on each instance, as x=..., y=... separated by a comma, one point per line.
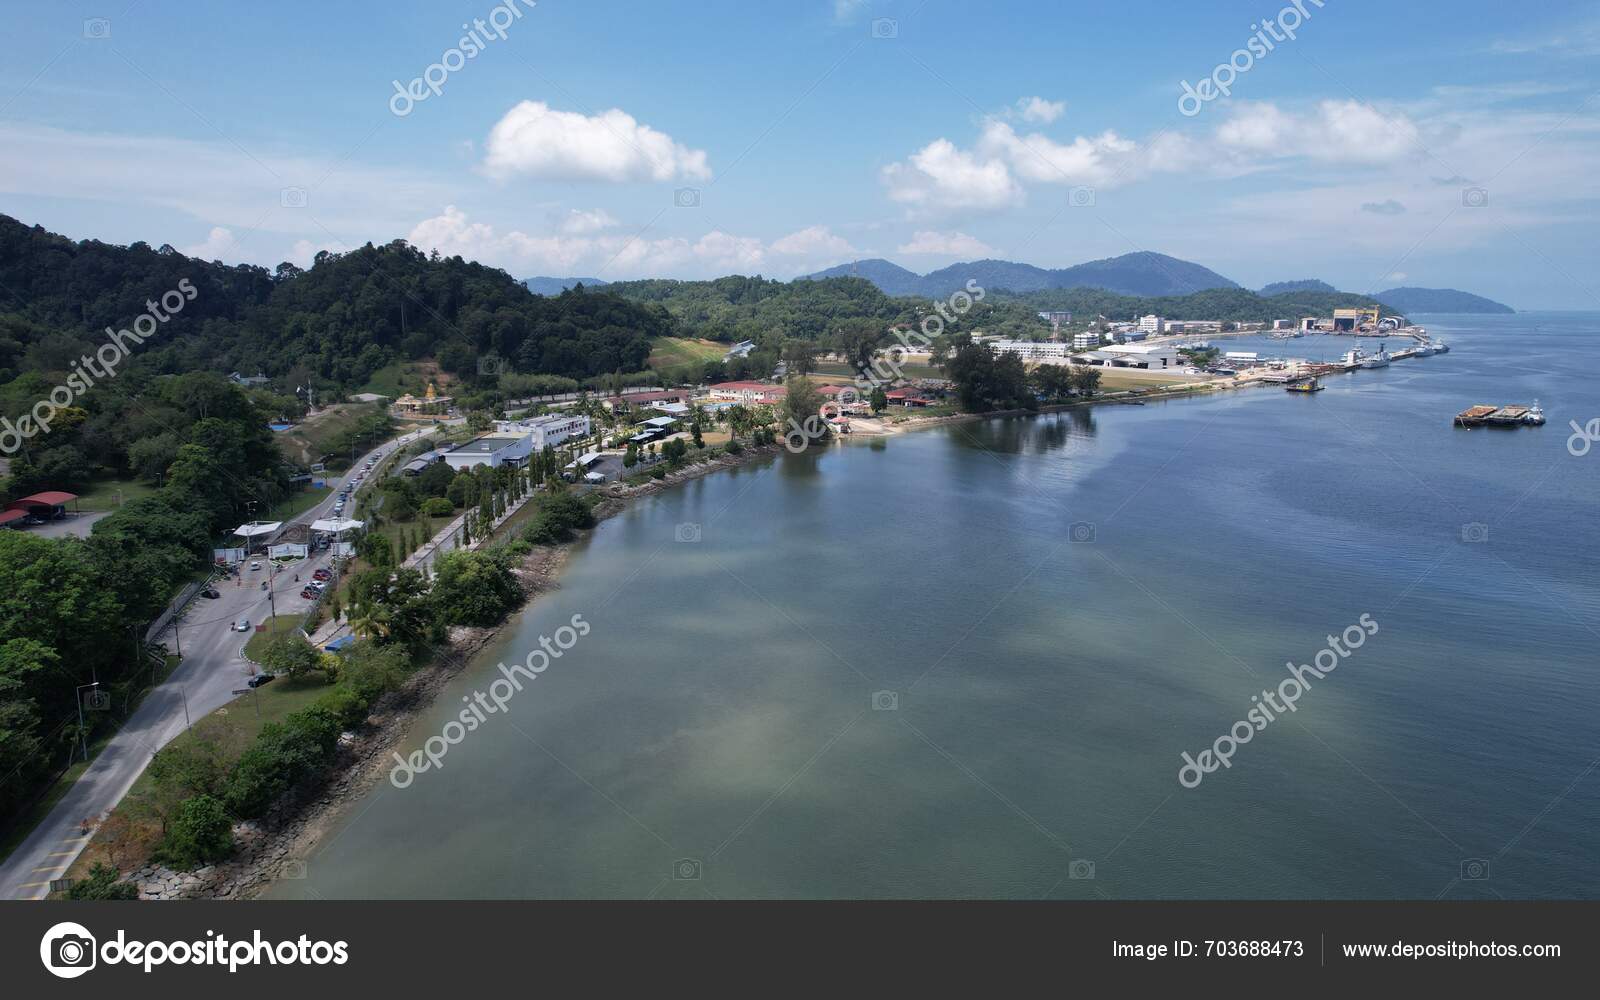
x=671, y=352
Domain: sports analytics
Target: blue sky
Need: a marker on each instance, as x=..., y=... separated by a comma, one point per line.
x=1438, y=144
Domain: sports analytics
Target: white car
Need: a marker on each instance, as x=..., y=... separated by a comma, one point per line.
x=255, y=564
x=242, y=625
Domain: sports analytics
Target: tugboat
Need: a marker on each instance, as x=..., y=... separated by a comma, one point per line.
x=1379, y=360
x=1440, y=347
x=1305, y=385
x=1535, y=415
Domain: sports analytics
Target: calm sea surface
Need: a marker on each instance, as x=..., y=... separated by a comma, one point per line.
x=889, y=669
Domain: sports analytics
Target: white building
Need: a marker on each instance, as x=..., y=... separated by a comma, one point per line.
x=493, y=450
x=549, y=430
x=1034, y=350
x=1085, y=340
x=1155, y=357
x=1152, y=324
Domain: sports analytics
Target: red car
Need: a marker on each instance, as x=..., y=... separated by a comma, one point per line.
x=309, y=594
x=321, y=574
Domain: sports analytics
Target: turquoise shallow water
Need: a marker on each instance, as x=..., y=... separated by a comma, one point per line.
x=889, y=670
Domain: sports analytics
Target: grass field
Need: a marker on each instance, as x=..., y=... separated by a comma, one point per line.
x=109, y=494
x=258, y=640
x=296, y=504
x=668, y=352
x=309, y=440
x=1112, y=379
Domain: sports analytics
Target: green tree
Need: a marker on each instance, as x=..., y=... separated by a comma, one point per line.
x=289, y=654
x=102, y=883
x=201, y=832
x=879, y=400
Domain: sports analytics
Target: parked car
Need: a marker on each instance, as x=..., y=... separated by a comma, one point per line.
x=260, y=679
x=210, y=594
x=322, y=574
x=309, y=594
x=242, y=625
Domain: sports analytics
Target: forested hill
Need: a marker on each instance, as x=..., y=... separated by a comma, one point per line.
x=336, y=323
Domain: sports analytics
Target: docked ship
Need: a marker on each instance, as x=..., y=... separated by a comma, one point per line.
x=1379, y=360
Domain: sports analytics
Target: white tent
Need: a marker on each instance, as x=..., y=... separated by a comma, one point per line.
x=337, y=525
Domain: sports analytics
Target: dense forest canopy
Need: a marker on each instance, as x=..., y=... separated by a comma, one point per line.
x=334, y=324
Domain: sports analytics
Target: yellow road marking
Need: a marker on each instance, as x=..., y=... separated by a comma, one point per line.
x=57, y=868
x=32, y=885
x=60, y=854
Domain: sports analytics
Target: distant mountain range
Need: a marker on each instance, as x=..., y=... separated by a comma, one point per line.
x=1290, y=287
x=1439, y=300
x=1143, y=274
x=555, y=286
x=1402, y=300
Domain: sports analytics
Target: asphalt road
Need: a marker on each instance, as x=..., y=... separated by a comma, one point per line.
x=213, y=668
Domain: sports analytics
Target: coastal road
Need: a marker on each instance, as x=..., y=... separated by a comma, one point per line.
x=213, y=667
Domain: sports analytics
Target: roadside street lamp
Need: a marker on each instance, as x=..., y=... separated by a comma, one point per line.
x=83, y=737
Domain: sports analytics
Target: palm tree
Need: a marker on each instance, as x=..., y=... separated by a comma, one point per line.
x=370, y=621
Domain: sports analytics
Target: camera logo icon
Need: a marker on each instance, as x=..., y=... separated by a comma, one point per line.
x=1081, y=197
x=686, y=198
x=1474, y=532
x=97, y=27
x=68, y=950
x=1080, y=869
x=1474, y=197
x=97, y=700
x=686, y=532
x=886, y=701
x=490, y=364
x=1081, y=531
x=686, y=870
x=293, y=197
x=1474, y=869
x=885, y=27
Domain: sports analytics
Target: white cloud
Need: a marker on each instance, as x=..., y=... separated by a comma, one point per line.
x=950, y=244
x=218, y=242
x=616, y=255
x=579, y=222
x=1037, y=109
x=845, y=11
x=217, y=183
x=535, y=140
x=813, y=241
x=1038, y=158
x=1335, y=132
x=940, y=177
